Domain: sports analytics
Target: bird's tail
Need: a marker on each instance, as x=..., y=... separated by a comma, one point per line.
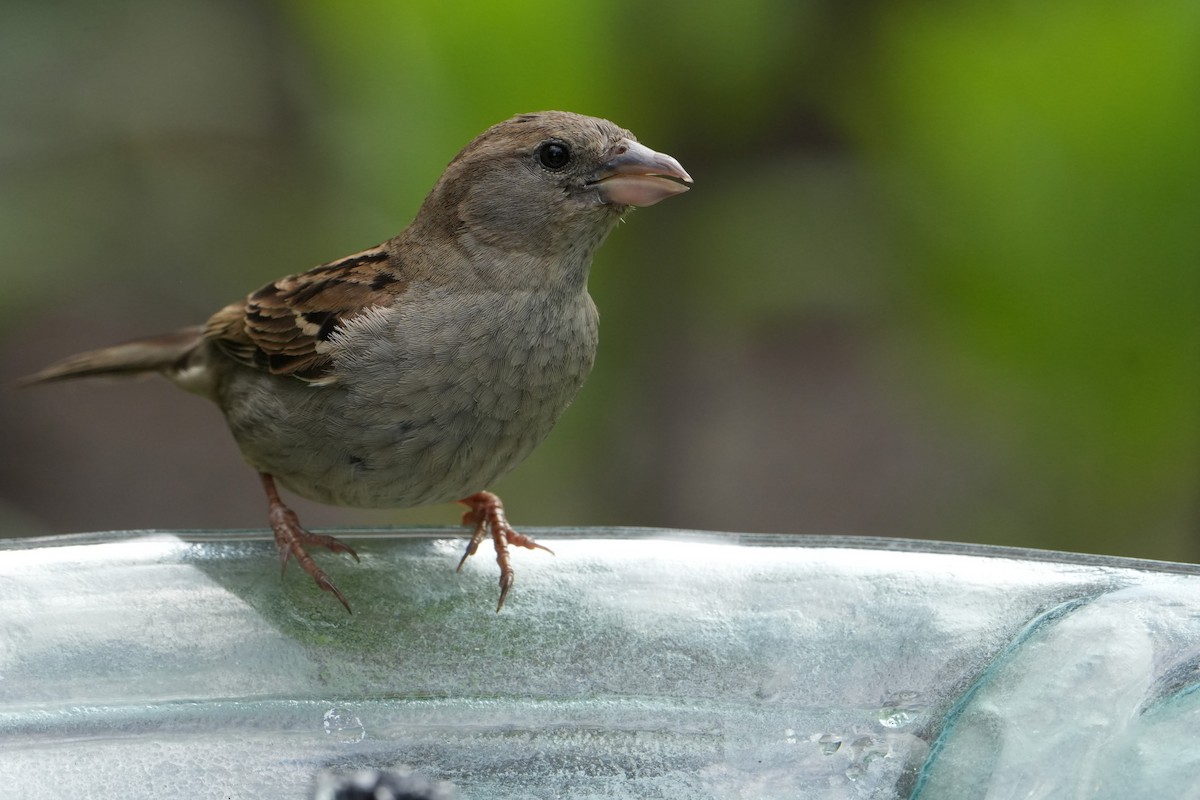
x=169, y=354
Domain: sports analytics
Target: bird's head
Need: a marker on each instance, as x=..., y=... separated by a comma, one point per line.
x=549, y=184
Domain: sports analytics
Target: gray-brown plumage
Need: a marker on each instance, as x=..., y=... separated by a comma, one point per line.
x=421, y=370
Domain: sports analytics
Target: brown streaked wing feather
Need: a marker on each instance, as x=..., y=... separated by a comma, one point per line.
x=283, y=327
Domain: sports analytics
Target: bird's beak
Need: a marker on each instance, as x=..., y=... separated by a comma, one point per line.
x=635, y=175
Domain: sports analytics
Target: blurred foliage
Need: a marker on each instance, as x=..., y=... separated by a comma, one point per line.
x=1042, y=164
x=939, y=276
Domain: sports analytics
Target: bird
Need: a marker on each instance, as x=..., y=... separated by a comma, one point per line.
x=420, y=370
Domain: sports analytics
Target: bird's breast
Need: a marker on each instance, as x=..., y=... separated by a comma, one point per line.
x=437, y=405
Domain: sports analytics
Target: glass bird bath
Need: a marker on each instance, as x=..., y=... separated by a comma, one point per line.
x=633, y=663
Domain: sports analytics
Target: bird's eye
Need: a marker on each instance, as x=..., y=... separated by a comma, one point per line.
x=554, y=155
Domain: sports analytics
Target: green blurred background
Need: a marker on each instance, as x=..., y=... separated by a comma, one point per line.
x=939, y=276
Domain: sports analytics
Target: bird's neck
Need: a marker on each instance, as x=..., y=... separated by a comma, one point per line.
x=562, y=270
x=465, y=257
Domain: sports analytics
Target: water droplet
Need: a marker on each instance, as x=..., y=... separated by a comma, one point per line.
x=896, y=717
x=900, y=710
x=829, y=744
x=862, y=744
x=344, y=725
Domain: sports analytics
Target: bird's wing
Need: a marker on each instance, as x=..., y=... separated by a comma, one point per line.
x=284, y=327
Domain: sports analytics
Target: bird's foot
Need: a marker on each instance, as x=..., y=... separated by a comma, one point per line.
x=485, y=513
x=291, y=538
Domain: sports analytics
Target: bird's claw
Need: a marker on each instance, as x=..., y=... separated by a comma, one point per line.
x=485, y=513
x=291, y=538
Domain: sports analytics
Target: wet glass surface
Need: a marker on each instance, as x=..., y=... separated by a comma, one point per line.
x=630, y=664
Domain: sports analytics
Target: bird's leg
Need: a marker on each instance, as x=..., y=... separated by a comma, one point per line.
x=486, y=513
x=290, y=538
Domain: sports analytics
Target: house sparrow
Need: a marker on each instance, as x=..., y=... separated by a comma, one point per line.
x=421, y=370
